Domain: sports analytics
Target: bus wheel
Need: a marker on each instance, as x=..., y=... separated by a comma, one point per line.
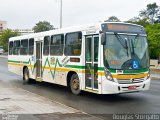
x=26, y=78
x=75, y=84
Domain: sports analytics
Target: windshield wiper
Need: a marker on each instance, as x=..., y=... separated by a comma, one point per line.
x=133, y=45
x=124, y=44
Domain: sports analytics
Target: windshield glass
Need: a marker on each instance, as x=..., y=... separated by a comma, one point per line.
x=126, y=52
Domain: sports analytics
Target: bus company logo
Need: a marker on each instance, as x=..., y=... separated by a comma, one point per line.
x=52, y=61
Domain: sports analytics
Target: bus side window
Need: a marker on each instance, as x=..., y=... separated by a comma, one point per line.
x=16, y=47
x=46, y=45
x=31, y=46
x=73, y=44
x=10, y=47
x=24, y=47
x=57, y=43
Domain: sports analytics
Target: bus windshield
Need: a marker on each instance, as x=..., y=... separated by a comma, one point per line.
x=123, y=51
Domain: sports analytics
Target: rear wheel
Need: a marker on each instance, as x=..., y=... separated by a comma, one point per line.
x=26, y=78
x=75, y=84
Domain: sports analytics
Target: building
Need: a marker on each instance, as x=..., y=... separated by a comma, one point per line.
x=23, y=31
x=3, y=25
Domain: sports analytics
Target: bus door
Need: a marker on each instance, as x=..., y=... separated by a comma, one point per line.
x=91, y=62
x=38, y=59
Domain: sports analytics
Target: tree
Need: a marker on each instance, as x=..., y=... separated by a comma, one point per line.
x=150, y=13
x=158, y=17
x=42, y=26
x=153, y=32
x=4, y=37
x=137, y=20
x=112, y=19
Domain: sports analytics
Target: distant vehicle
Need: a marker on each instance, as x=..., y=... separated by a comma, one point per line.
x=103, y=58
x=1, y=49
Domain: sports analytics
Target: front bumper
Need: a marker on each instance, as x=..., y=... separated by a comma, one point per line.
x=109, y=87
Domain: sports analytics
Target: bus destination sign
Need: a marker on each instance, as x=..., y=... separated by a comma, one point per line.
x=123, y=28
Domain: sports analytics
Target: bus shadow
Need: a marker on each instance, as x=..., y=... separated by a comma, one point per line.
x=54, y=89
x=112, y=97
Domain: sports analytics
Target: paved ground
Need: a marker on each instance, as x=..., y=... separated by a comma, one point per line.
x=19, y=104
x=147, y=102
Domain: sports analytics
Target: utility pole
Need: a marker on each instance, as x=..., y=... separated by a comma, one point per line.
x=61, y=14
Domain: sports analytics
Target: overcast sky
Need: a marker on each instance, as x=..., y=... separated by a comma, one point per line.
x=26, y=13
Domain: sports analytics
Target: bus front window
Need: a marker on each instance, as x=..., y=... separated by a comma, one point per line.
x=140, y=50
x=122, y=51
x=115, y=52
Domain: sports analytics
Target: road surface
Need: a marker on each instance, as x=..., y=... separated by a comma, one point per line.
x=147, y=102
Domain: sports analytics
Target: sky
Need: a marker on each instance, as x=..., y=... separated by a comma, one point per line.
x=24, y=14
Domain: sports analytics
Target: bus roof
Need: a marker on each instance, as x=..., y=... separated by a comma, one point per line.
x=94, y=26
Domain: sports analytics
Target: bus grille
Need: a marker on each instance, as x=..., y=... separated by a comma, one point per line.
x=130, y=81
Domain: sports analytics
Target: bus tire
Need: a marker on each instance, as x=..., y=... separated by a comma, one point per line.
x=75, y=84
x=26, y=78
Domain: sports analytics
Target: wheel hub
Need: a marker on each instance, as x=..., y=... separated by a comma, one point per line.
x=75, y=84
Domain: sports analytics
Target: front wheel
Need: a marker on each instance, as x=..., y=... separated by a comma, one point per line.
x=75, y=84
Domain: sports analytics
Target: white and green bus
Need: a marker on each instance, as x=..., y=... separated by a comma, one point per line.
x=103, y=58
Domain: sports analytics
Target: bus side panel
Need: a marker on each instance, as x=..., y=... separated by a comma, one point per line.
x=53, y=71
x=60, y=71
x=47, y=70
x=14, y=64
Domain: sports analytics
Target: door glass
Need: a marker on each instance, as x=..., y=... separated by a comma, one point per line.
x=96, y=46
x=91, y=74
x=38, y=59
x=88, y=49
x=88, y=74
x=96, y=76
x=96, y=41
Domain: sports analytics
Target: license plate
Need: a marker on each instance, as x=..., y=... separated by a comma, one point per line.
x=133, y=87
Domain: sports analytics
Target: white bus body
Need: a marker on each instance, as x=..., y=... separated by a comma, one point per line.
x=74, y=57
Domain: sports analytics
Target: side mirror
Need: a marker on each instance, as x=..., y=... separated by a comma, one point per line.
x=103, y=38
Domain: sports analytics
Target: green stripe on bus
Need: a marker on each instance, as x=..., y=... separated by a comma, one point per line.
x=82, y=67
x=101, y=68
x=75, y=66
x=131, y=71
x=13, y=61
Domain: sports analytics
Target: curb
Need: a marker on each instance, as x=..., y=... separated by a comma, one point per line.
x=155, y=73
x=155, y=70
x=155, y=78
x=2, y=56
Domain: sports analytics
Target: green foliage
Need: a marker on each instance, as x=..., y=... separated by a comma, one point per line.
x=158, y=18
x=153, y=32
x=42, y=26
x=150, y=19
x=4, y=37
x=137, y=20
x=112, y=19
x=150, y=13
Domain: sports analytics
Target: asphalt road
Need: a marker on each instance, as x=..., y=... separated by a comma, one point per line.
x=147, y=102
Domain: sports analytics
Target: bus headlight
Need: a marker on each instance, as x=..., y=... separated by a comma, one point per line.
x=148, y=76
x=108, y=75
